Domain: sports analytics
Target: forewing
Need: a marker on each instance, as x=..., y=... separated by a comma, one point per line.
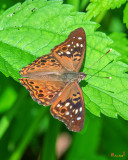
x=46, y=63
x=44, y=92
x=71, y=52
x=69, y=107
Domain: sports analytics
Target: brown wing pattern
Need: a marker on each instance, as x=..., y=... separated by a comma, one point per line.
x=71, y=52
x=46, y=63
x=69, y=107
x=44, y=92
x=44, y=80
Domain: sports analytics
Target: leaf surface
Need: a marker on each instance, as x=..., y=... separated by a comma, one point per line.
x=97, y=7
x=125, y=18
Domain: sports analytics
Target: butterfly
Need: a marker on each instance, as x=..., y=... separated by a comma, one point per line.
x=53, y=79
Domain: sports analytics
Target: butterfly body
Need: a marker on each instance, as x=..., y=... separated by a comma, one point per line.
x=73, y=76
x=58, y=76
x=53, y=80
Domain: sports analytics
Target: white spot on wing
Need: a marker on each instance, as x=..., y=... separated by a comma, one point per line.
x=78, y=118
x=67, y=113
x=67, y=104
x=76, y=111
x=80, y=109
x=72, y=42
x=58, y=105
x=72, y=121
x=68, y=52
x=70, y=115
x=68, y=45
x=79, y=38
x=70, y=107
x=74, y=37
x=77, y=44
x=81, y=45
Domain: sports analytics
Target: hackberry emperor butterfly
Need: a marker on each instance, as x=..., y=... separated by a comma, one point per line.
x=53, y=80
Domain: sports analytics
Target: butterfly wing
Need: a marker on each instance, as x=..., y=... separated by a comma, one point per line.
x=45, y=87
x=71, y=52
x=69, y=107
x=44, y=92
x=42, y=65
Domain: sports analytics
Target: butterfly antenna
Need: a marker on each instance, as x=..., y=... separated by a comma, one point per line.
x=99, y=76
x=101, y=69
x=99, y=59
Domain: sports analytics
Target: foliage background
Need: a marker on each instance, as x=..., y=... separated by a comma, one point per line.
x=27, y=130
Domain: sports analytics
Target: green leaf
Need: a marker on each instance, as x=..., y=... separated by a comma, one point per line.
x=22, y=128
x=121, y=45
x=108, y=96
x=83, y=4
x=27, y=135
x=32, y=29
x=97, y=7
x=75, y=3
x=7, y=99
x=125, y=18
x=8, y=116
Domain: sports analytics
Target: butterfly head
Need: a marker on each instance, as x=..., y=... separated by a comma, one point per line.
x=81, y=76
